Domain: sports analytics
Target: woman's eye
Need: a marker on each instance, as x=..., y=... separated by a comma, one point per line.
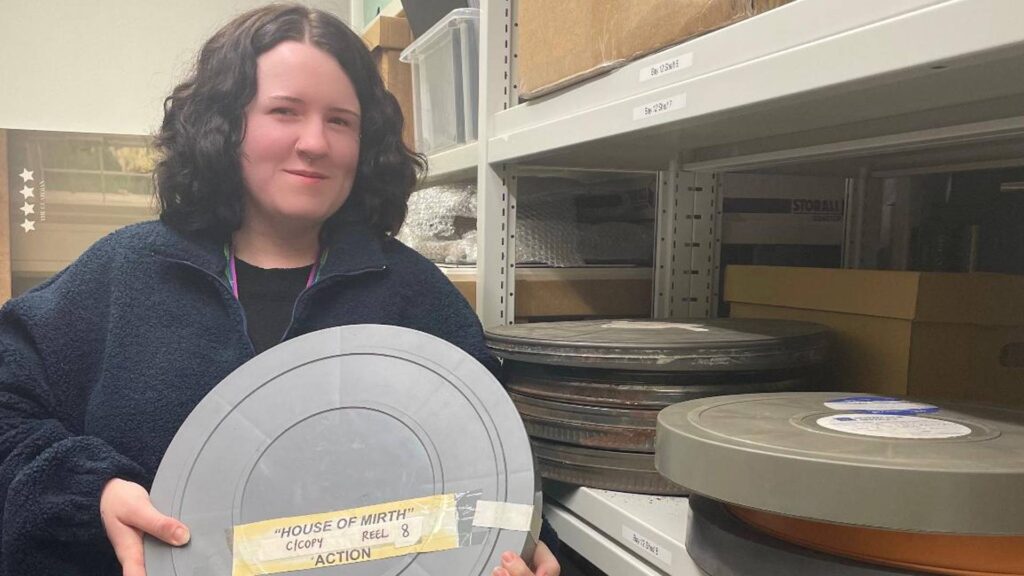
x=340, y=121
x=283, y=112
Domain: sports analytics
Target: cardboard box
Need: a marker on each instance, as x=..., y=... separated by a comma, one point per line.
x=924, y=335
x=564, y=42
x=558, y=293
x=386, y=36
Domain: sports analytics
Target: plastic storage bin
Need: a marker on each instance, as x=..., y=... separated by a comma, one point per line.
x=444, y=81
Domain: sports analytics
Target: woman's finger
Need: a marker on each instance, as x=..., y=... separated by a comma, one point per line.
x=544, y=562
x=127, y=543
x=514, y=565
x=148, y=519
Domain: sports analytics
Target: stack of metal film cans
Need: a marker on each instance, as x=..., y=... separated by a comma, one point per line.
x=589, y=392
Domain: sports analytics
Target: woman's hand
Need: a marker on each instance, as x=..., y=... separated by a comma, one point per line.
x=544, y=564
x=127, y=514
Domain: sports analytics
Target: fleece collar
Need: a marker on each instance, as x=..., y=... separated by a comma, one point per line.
x=353, y=248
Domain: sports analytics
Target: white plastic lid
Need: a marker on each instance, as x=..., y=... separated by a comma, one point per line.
x=453, y=19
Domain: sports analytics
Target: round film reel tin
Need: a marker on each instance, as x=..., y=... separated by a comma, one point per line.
x=622, y=429
x=702, y=345
x=339, y=420
x=646, y=390
x=852, y=459
x=606, y=469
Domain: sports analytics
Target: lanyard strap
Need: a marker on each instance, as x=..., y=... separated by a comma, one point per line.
x=231, y=269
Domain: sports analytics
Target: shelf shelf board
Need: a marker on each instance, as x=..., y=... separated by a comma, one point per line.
x=452, y=165
x=798, y=76
x=543, y=273
x=622, y=519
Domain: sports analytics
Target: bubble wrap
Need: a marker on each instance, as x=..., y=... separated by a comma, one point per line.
x=440, y=213
x=463, y=251
x=447, y=251
x=441, y=225
x=546, y=230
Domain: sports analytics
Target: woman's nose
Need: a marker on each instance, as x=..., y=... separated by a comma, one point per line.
x=312, y=140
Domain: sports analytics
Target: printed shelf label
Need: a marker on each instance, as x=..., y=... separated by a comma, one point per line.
x=646, y=545
x=659, y=107
x=666, y=67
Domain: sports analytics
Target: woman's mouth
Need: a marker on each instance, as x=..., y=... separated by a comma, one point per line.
x=310, y=175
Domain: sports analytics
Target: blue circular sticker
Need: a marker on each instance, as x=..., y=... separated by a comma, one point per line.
x=880, y=405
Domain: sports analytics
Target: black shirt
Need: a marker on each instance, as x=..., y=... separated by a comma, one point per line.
x=268, y=297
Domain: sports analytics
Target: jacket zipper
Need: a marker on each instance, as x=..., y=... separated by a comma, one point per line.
x=220, y=282
x=322, y=282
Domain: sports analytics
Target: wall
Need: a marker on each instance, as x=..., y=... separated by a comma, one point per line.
x=104, y=66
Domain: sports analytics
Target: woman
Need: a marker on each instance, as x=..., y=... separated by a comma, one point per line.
x=282, y=183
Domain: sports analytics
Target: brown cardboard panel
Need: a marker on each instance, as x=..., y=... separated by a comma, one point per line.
x=388, y=32
x=950, y=336
x=983, y=299
x=941, y=363
x=564, y=42
x=5, y=222
x=939, y=297
x=871, y=354
x=869, y=292
x=468, y=290
x=540, y=298
x=1004, y=381
x=397, y=76
x=620, y=297
x=386, y=37
x=966, y=362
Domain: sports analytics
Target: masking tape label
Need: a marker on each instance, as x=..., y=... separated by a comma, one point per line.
x=655, y=326
x=428, y=524
x=503, y=515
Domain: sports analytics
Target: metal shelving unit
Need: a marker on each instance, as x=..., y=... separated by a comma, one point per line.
x=862, y=90
x=856, y=89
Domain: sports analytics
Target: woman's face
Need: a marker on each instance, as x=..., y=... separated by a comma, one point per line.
x=300, y=148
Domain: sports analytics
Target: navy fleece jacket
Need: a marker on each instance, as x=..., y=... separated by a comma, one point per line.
x=100, y=365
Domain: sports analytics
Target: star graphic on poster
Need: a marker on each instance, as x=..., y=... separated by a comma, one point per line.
x=28, y=225
x=28, y=209
x=26, y=175
x=28, y=192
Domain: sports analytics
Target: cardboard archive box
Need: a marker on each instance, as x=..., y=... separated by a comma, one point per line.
x=923, y=335
x=561, y=293
x=386, y=37
x=562, y=43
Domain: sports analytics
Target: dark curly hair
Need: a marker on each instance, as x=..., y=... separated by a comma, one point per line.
x=199, y=179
